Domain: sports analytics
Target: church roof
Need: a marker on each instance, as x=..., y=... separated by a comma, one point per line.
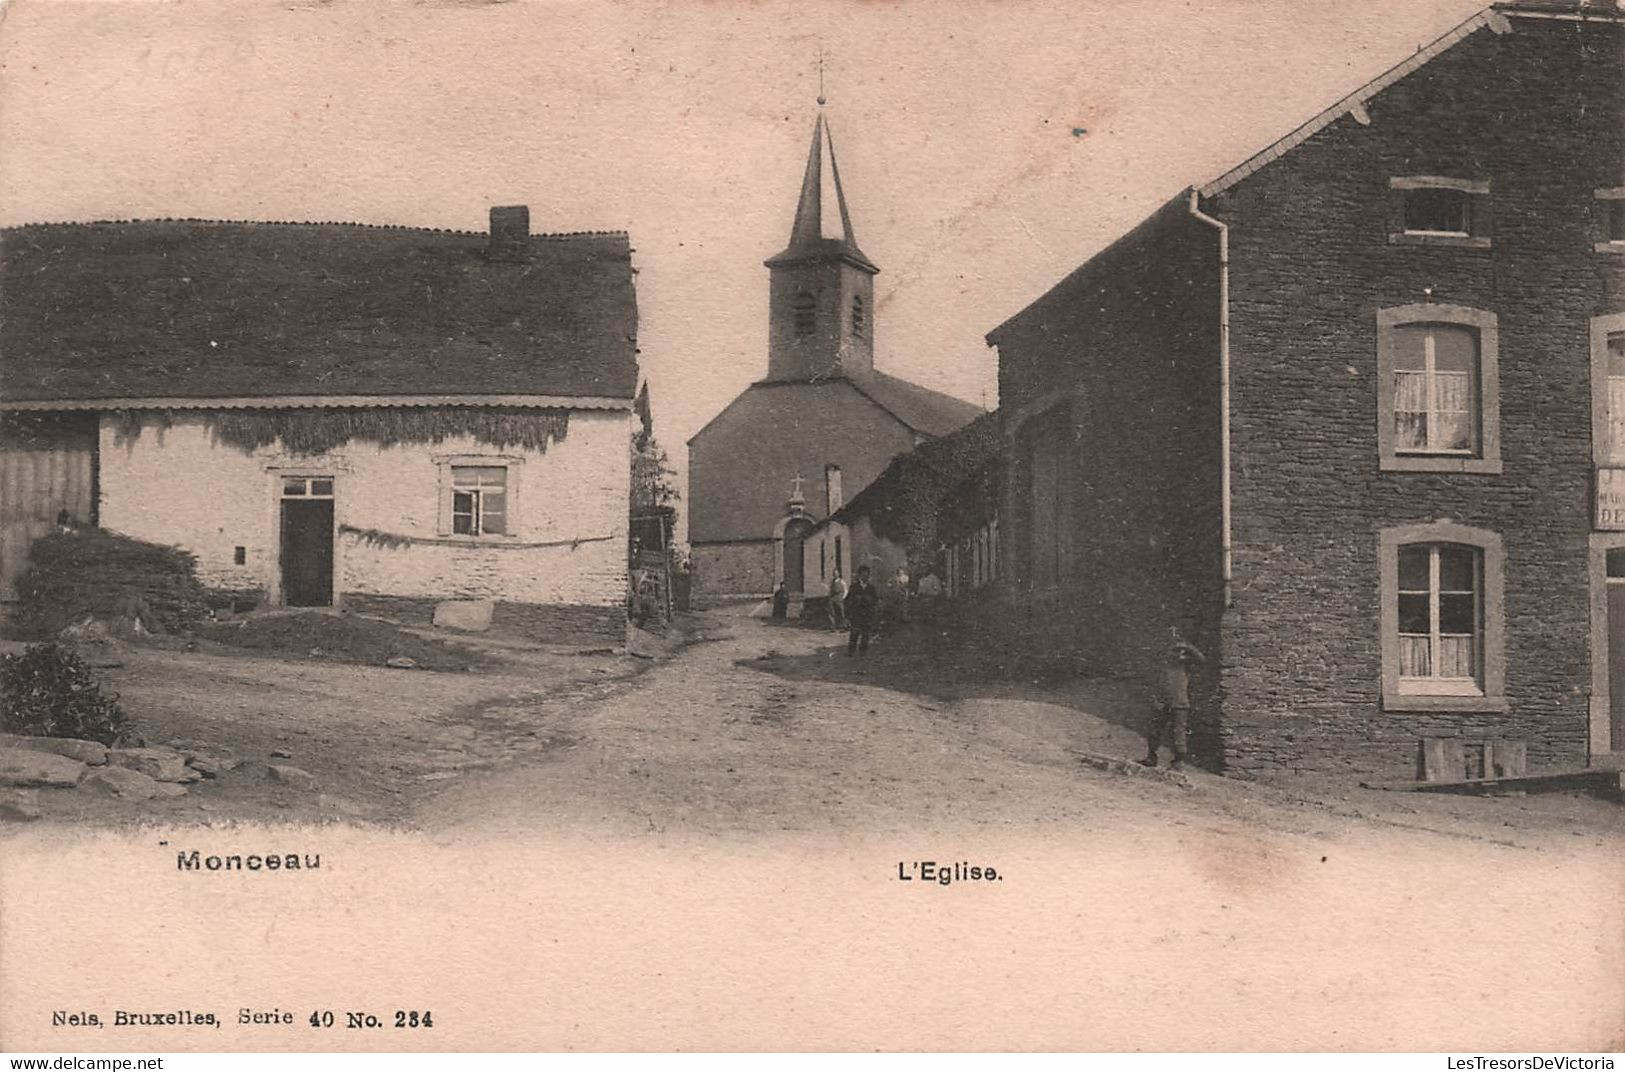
x=203, y=309
x=923, y=410
x=822, y=229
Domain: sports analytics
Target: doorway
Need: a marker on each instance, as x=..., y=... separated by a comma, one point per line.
x=1616, y=650
x=306, y=556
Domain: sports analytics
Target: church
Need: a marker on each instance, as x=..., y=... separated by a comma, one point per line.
x=821, y=425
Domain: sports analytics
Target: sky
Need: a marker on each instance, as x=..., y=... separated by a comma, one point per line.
x=987, y=147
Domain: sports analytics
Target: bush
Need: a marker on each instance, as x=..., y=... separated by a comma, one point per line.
x=47, y=691
x=96, y=574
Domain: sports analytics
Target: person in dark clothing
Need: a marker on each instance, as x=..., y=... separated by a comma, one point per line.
x=1172, y=689
x=781, y=602
x=862, y=607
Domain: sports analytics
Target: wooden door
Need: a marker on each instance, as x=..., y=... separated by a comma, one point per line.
x=307, y=552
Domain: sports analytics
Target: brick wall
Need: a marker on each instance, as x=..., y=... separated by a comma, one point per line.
x=1119, y=365
x=1537, y=112
x=176, y=485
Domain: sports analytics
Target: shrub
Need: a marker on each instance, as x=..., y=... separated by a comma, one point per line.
x=47, y=691
x=92, y=573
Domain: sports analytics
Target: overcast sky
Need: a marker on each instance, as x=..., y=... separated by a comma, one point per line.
x=986, y=148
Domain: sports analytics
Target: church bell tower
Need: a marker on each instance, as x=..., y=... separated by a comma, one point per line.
x=821, y=294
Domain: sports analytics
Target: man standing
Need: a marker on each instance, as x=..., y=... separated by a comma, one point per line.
x=862, y=604
x=837, y=602
x=1172, y=687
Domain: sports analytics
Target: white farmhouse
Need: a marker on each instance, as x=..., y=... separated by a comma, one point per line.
x=377, y=418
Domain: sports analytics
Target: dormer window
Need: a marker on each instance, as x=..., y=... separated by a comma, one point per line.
x=806, y=310
x=1433, y=210
x=857, y=315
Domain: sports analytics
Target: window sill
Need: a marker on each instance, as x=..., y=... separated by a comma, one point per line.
x=1418, y=702
x=1611, y=247
x=1448, y=241
x=1443, y=463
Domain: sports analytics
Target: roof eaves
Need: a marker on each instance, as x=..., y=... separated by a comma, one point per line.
x=1355, y=102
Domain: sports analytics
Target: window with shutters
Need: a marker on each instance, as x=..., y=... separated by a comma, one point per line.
x=1438, y=389
x=1443, y=619
x=1441, y=211
x=806, y=313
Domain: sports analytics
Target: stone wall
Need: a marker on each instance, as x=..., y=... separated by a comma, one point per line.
x=1118, y=367
x=1537, y=113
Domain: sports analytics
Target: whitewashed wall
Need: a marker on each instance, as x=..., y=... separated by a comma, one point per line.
x=178, y=486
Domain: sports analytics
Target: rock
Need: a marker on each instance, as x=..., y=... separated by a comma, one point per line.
x=214, y=764
x=469, y=615
x=84, y=751
x=401, y=662
x=192, y=775
x=26, y=767
x=291, y=776
x=159, y=764
x=120, y=782
x=281, y=753
x=19, y=805
x=170, y=790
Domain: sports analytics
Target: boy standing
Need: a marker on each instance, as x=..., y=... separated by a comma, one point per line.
x=1172, y=688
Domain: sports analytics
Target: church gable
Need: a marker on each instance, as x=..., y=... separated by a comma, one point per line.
x=743, y=464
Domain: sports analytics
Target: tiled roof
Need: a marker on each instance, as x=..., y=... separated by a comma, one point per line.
x=195, y=309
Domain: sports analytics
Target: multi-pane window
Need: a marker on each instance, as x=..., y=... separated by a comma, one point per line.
x=307, y=487
x=479, y=500
x=1440, y=616
x=1436, y=372
x=806, y=313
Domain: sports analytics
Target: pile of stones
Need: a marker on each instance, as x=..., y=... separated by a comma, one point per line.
x=28, y=764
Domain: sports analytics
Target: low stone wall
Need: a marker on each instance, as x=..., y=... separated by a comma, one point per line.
x=558, y=623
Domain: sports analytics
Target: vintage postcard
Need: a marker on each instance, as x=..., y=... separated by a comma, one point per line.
x=902, y=526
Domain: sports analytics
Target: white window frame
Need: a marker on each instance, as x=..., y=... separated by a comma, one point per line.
x=1486, y=458
x=1435, y=683
x=1486, y=691
x=447, y=489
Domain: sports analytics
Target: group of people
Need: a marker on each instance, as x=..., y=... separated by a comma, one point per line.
x=854, y=608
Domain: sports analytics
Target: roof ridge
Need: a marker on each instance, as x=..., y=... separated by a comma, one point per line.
x=356, y=224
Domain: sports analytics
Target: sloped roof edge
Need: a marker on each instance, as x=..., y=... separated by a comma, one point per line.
x=1354, y=103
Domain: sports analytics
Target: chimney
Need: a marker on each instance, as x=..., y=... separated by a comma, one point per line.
x=833, y=499
x=510, y=233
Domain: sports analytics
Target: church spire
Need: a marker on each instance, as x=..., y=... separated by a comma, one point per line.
x=813, y=234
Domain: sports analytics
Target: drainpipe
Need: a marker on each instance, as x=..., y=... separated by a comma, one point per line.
x=1224, y=390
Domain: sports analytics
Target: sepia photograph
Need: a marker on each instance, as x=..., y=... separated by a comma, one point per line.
x=852, y=525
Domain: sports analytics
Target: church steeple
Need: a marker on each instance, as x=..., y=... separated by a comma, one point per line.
x=822, y=311
x=814, y=234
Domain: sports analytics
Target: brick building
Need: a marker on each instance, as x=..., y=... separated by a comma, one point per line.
x=329, y=414
x=822, y=404
x=1350, y=415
